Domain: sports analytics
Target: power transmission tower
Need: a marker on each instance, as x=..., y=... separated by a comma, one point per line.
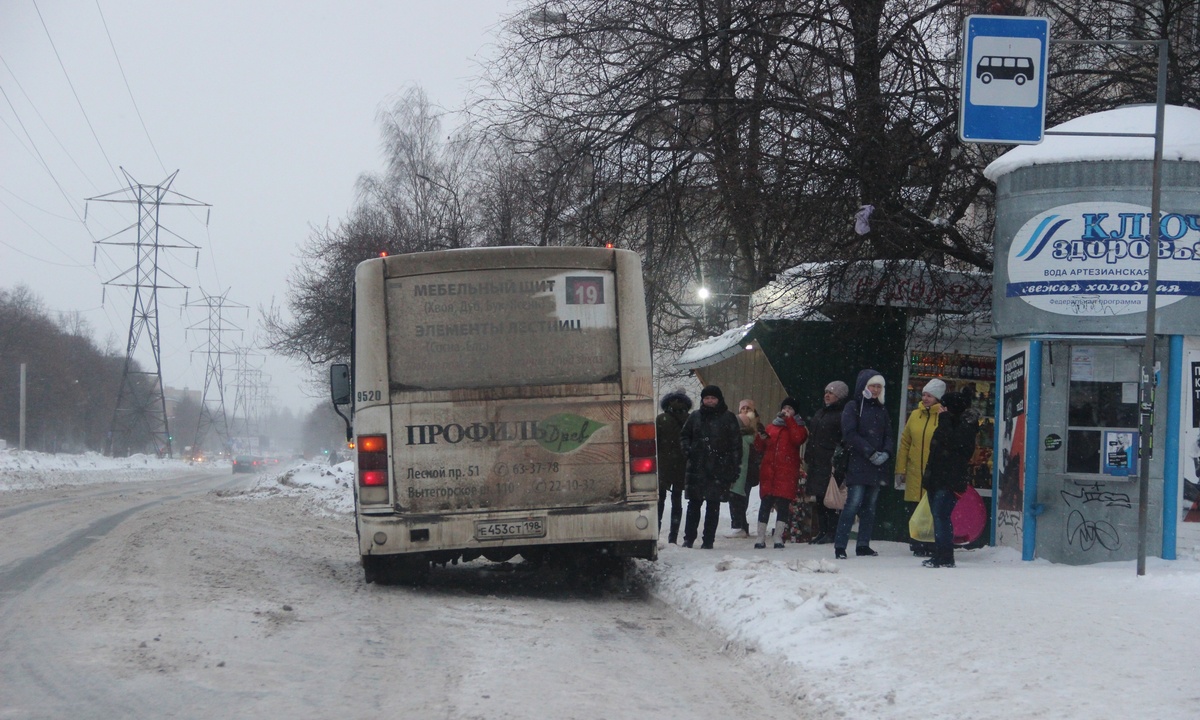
x=214, y=376
x=140, y=399
x=247, y=391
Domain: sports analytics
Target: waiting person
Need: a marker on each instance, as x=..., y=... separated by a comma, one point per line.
x=946, y=474
x=824, y=435
x=913, y=452
x=711, y=439
x=754, y=441
x=671, y=462
x=779, y=476
x=867, y=431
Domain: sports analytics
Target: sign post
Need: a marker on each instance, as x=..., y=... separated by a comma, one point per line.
x=1003, y=97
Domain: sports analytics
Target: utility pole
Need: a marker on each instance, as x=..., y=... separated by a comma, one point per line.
x=140, y=400
x=214, y=376
x=21, y=434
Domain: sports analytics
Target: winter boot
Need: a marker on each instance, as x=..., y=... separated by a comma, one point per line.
x=864, y=551
x=947, y=558
x=780, y=527
x=762, y=536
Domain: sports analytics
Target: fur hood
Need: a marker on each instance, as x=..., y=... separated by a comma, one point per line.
x=676, y=396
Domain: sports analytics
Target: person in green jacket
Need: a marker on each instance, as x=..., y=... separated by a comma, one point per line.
x=913, y=453
x=754, y=442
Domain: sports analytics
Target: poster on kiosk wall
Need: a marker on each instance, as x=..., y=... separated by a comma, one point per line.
x=1010, y=470
x=1189, y=461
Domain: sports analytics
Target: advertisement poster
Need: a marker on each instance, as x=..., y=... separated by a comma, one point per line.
x=1011, y=466
x=1120, y=453
x=1189, y=465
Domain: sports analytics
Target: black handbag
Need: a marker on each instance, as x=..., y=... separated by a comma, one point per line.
x=841, y=461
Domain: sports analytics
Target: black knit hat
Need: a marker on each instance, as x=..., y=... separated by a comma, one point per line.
x=790, y=402
x=957, y=402
x=712, y=390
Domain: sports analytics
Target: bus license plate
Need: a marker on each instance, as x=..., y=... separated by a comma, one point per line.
x=505, y=529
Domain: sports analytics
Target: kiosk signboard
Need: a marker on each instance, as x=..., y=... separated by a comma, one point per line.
x=1084, y=266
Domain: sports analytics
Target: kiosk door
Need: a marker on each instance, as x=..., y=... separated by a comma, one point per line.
x=1089, y=460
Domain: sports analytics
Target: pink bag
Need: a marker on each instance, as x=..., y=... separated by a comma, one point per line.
x=969, y=517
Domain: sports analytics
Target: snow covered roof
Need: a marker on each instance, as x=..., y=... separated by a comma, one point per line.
x=714, y=350
x=1181, y=140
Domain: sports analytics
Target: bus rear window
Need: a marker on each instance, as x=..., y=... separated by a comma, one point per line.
x=490, y=328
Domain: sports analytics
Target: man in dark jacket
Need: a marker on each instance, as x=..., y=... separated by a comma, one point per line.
x=867, y=431
x=945, y=478
x=671, y=461
x=712, y=443
x=824, y=435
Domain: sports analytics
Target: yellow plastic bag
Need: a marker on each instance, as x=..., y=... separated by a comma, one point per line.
x=920, y=525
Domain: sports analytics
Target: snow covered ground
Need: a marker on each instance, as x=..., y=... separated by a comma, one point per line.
x=875, y=637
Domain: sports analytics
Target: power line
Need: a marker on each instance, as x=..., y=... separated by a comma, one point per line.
x=128, y=89
x=42, y=160
x=43, y=237
x=46, y=124
x=73, y=92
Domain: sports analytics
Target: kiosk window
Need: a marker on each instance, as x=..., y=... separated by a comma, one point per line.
x=1101, y=414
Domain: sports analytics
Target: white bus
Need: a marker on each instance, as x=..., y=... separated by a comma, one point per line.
x=502, y=405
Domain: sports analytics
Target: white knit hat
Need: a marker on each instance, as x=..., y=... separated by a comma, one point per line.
x=935, y=387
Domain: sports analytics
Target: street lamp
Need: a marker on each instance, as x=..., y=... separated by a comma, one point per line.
x=703, y=293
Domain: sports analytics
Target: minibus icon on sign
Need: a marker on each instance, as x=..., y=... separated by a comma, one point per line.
x=998, y=67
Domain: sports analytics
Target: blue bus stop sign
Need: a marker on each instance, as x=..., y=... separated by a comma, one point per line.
x=1004, y=79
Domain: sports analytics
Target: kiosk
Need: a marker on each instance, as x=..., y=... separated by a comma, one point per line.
x=1068, y=308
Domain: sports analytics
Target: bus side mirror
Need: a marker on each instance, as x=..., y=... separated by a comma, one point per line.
x=339, y=384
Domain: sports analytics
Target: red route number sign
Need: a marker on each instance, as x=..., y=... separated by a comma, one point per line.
x=585, y=291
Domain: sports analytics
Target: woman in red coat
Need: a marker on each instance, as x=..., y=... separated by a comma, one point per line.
x=779, y=474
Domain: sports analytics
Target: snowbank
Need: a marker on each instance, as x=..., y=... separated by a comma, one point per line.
x=22, y=470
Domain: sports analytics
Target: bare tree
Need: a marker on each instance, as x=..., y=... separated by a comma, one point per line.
x=417, y=203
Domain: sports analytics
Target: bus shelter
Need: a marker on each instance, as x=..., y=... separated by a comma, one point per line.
x=908, y=320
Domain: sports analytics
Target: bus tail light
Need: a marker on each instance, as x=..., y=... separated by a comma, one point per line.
x=372, y=460
x=642, y=449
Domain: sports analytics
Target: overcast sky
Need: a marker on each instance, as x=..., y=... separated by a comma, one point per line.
x=267, y=110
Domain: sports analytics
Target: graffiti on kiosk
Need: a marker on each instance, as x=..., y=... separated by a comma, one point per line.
x=1091, y=259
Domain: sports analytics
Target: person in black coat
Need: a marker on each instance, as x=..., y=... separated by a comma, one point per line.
x=671, y=461
x=945, y=477
x=712, y=443
x=867, y=431
x=824, y=434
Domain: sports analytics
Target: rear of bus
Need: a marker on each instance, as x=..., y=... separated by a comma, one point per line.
x=503, y=405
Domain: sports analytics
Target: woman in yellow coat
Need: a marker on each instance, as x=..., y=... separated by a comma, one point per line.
x=914, y=440
x=913, y=452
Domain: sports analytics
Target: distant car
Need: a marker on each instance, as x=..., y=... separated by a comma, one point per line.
x=246, y=464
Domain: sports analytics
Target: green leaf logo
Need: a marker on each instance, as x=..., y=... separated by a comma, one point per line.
x=565, y=432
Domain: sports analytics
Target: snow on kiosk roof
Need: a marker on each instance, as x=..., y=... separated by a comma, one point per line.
x=1181, y=140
